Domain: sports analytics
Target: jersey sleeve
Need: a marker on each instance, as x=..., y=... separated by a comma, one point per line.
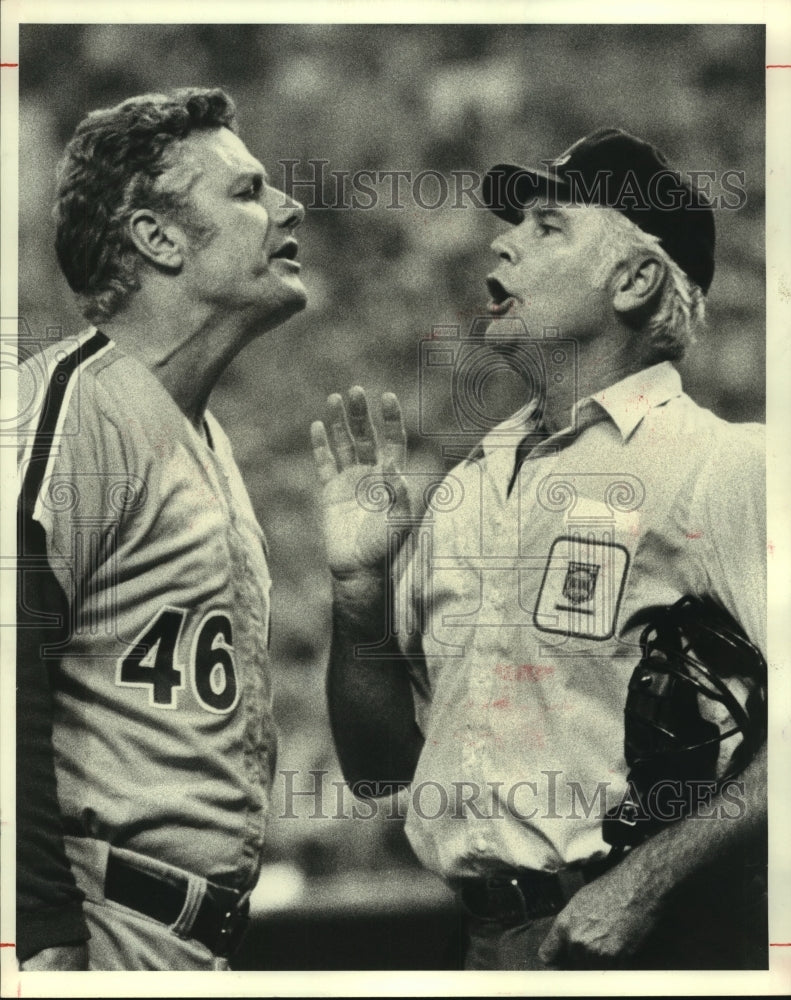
x=733, y=500
x=63, y=456
x=49, y=904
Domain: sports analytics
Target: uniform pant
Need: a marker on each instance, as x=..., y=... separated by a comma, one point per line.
x=123, y=939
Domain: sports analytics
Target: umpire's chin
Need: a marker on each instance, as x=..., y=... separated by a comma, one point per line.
x=509, y=337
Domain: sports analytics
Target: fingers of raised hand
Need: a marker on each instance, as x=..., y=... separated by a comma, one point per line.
x=339, y=433
x=350, y=437
x=322, y=453
x=394, y=444
x=362, y=429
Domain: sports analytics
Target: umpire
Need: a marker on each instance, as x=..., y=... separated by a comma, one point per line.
x=526, y=602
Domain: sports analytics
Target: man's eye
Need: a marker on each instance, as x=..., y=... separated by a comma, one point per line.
x=251, y=192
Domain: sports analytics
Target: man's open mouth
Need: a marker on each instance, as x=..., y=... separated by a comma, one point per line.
x=288, y=251
x=500, y=299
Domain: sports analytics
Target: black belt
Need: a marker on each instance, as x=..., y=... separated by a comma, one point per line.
x=221, y=918
x=513, y=897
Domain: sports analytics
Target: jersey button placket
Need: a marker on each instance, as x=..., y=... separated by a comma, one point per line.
x=248, y=600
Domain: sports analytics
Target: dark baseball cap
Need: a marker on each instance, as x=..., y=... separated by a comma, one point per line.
x=618, y=170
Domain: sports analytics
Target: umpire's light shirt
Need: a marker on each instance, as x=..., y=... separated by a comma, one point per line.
x=534, y=598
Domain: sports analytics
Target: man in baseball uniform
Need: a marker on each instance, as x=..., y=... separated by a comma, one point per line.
x=521, y=600
x=146, y=744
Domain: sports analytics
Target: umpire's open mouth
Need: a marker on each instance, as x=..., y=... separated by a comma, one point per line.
x=501, y=300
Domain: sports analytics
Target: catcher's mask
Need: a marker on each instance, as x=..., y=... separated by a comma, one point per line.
x=695, y=716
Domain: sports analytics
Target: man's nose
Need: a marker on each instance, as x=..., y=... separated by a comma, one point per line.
x=291, y=212
x=503, y=251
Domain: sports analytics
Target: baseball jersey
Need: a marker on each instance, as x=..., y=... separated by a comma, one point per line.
x=164, y=742
x=533, y=599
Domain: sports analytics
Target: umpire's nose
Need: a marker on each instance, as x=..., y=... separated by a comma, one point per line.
x=502, y=249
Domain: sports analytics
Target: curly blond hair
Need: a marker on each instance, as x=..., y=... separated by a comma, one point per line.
x=109, y=170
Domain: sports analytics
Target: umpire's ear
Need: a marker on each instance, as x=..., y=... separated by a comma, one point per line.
x=156, y=240
x=637, y=283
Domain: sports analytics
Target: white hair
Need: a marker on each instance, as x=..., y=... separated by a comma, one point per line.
x=681, y=306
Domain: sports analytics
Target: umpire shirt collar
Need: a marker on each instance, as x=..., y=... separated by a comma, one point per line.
x=628, y=401
x=625, y=403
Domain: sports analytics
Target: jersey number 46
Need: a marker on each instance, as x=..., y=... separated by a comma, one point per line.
x=153, y=662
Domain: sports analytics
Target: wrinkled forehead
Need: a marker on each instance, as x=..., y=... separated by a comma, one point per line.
x=580, y=222
x=213, y=156
x=220, y=149
x=568, y=213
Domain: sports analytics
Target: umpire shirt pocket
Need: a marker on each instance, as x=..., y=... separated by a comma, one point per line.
x=587, y=568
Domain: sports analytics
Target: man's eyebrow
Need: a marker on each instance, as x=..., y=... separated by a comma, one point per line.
x=550, y=214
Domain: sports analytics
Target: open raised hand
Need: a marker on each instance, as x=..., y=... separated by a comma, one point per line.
x=365, y=495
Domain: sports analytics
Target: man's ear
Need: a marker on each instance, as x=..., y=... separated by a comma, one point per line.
x=157, y=241
x=637, y=284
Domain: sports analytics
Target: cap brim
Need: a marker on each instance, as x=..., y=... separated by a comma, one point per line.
x=508, y=189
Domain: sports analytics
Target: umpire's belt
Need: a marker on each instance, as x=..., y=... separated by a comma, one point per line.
x=220, y=918
x=514, y=897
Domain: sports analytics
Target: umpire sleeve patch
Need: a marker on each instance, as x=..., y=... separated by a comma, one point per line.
x=582, y=587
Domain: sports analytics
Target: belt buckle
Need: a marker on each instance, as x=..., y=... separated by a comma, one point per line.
x=506, y=897
x=540, y=894
x=233, y=924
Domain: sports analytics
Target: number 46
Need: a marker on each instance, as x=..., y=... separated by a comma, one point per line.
x=152, y=661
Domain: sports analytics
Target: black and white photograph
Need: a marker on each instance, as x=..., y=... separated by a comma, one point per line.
x=400, y=550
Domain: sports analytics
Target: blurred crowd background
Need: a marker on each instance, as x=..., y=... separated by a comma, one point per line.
x=384, y=98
